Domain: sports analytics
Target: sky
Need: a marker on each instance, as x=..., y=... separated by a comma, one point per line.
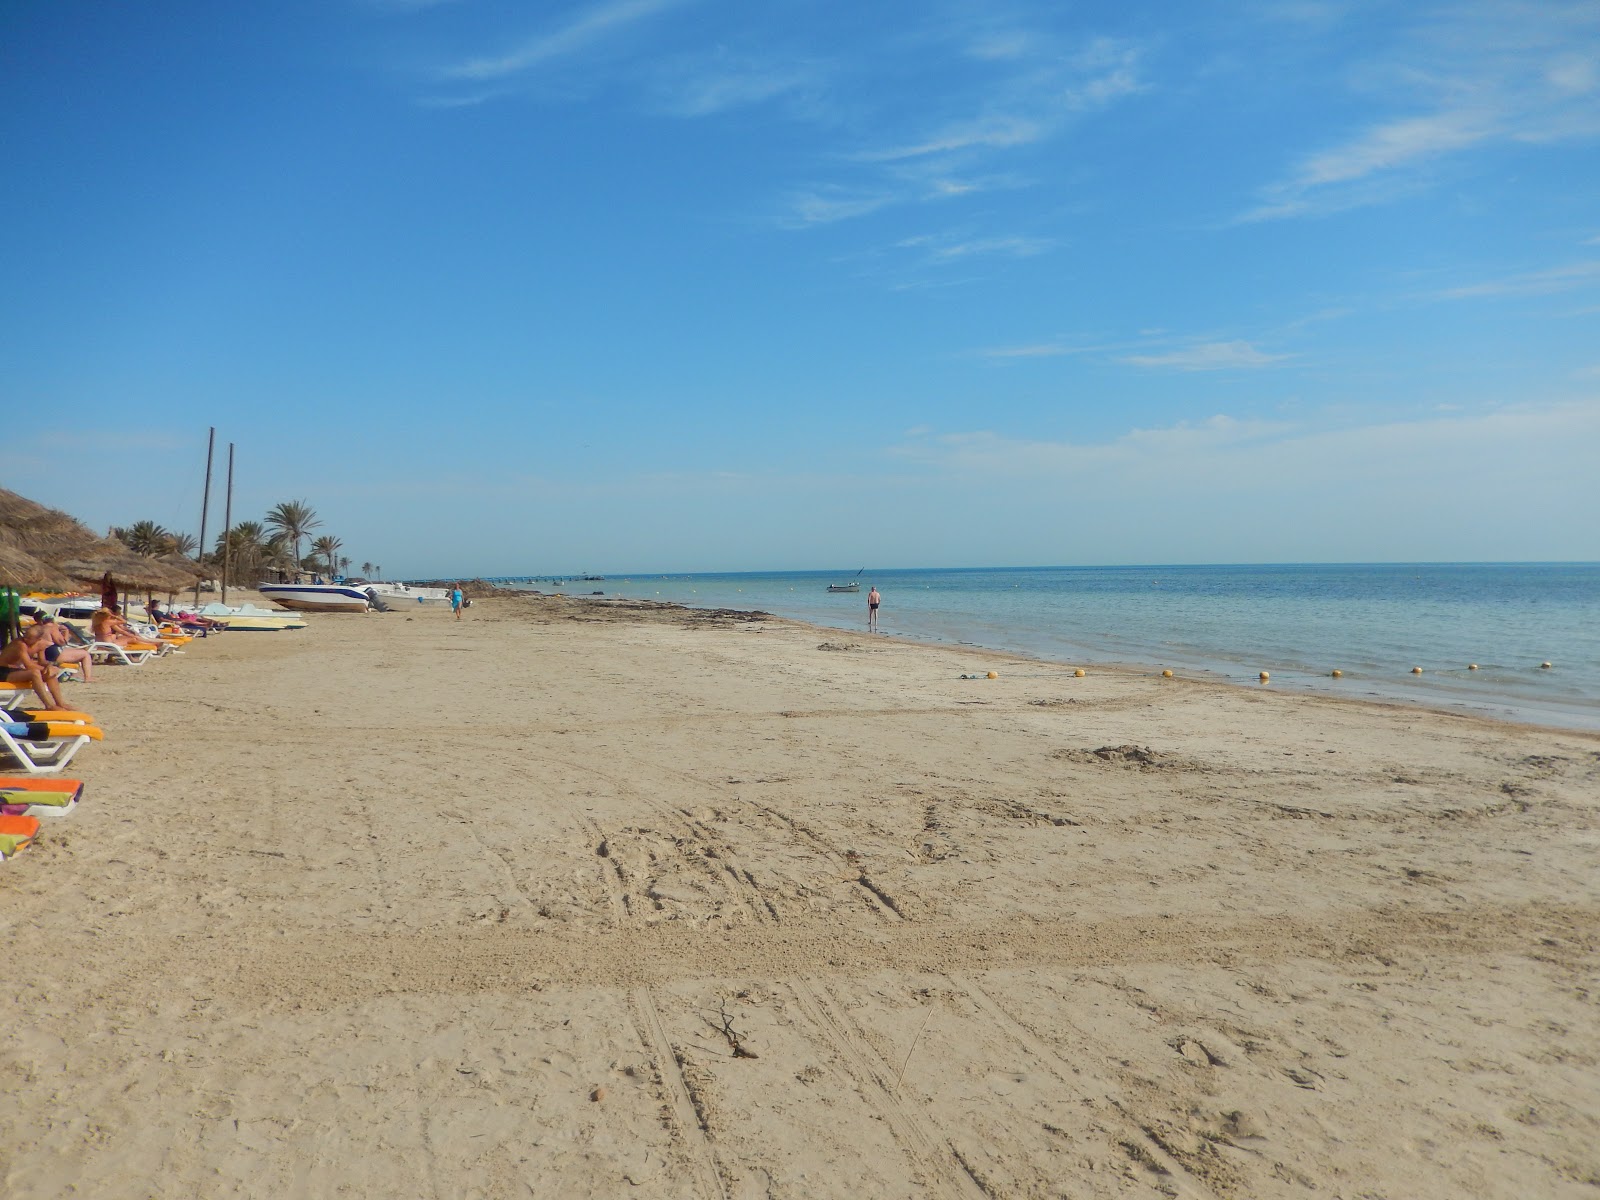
x=696, y=285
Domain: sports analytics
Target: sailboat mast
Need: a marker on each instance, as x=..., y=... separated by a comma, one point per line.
x=205, y=502
x=227, y=527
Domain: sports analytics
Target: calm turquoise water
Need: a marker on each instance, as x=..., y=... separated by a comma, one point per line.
x=1373, y=622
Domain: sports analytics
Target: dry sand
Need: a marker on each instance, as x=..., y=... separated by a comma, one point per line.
x=563, y=900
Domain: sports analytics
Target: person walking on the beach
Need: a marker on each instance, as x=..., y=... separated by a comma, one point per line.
x=873, y=600
x=455, y=601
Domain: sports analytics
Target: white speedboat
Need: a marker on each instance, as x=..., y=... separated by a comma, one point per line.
x=316, y=597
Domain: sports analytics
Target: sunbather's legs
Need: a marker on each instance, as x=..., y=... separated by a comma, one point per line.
x=81, y=656
x=43, y=687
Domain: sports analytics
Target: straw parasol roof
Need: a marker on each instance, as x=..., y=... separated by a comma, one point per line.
x=191, y=569
x=20, y=569
x=76, y=551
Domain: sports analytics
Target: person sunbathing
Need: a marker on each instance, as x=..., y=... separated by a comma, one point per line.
x=107, y=625
x=52, y=641
x=19, y=663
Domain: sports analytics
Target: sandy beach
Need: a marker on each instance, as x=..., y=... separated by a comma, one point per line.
x=595, y=900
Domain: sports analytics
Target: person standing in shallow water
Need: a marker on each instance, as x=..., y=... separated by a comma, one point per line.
x=455, y=601
x=873, y=600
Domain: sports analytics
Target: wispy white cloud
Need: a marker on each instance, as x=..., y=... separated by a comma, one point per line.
x=578, y=33
x=466, y=101
x=824, y=206
x=1564, y=278
x=994, y=132
x=943, y=248
x=1207, y=356
x=1475, y=76
x=705, y=90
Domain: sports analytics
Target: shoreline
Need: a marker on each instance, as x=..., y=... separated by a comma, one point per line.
x=1299, y=622
x=1287, y=682
x=579, y=899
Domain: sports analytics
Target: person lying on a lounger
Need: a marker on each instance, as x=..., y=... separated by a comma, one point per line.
x=50, y=640
x=107, y=625
x=19, y=663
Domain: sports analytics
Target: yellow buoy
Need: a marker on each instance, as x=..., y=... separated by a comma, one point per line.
x=1544, y=666
x=1079, y=673
x=1472, y=666
x=1416, y=670
x=1265, y=676
x=1167, y=674
x=1338, y=674
x=994, y=674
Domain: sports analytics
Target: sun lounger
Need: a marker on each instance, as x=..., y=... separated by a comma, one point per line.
x=24, y=715
x=16, y=833
x=45, y=747
x=128, y=656
x=39, y=797
x=16, y=695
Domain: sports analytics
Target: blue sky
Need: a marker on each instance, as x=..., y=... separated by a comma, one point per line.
x=706, y=285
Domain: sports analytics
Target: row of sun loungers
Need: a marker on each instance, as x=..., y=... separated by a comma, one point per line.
x=37, y=745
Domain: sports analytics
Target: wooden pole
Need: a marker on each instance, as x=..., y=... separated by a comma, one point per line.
x=205, y=501
x=227, y=528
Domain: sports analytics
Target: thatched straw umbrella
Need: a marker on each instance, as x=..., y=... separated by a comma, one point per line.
x=23, y=571
x=77, y=551
x=129, y=569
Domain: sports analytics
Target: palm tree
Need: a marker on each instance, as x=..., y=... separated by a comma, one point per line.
x=366, y=570
x=328, y=547
x=183, y=543
x=294, y=519
x=275, y=554
x=144, y=537
x=245, y=548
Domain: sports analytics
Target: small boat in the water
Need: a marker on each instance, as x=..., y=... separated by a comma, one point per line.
x=316, y=597
x=853, y=586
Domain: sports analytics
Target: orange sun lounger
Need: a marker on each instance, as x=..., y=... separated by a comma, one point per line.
x=16, y=833
x=39, y=797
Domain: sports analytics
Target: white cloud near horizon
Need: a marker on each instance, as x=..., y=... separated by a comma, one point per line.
x=1515, y=483
x=582, y=30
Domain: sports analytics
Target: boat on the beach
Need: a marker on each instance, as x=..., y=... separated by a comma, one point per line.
x=251, y=617
x=394, y=594
x=316, y=597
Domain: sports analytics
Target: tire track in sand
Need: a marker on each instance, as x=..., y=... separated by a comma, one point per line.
x=937, y=1164
x=688, y=1124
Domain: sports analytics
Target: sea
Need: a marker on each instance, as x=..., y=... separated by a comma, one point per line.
x=1373, y=622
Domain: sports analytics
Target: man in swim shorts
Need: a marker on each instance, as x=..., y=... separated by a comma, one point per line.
x=21, y=663
x=873, y=600
x=50, y=640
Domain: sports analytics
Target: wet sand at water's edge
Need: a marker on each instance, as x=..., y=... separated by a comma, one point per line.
x=569, y=899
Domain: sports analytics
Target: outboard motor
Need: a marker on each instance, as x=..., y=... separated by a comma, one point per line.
x=375, y=601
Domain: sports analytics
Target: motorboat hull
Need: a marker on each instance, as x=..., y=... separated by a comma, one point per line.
x=315, y=597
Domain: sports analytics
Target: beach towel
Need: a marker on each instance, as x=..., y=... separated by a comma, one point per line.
x=16, y=833
x=49, y=731
x=39, y=797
